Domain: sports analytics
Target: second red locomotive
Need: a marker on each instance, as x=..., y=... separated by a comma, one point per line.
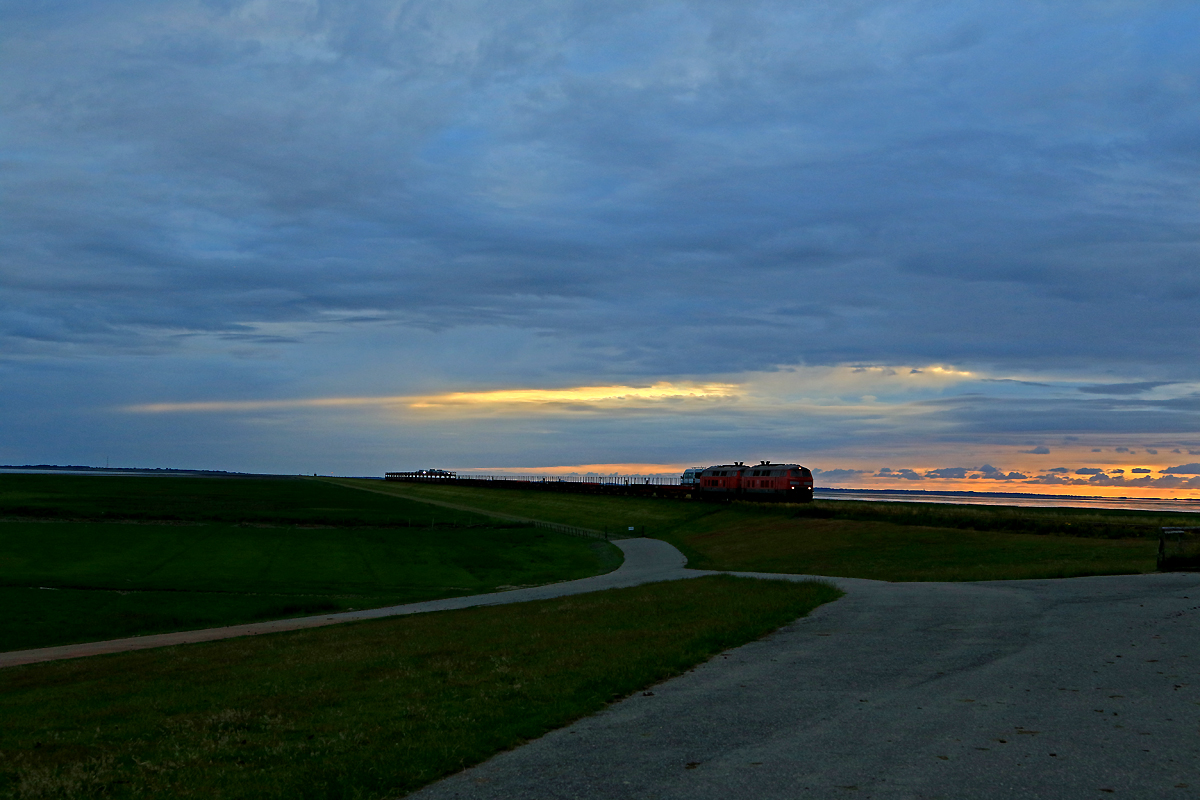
x=790, y=483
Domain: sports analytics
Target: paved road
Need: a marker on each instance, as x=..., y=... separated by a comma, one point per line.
x=646, y=561
x=1076, y=688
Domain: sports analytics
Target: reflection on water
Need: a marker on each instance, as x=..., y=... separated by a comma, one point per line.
x=1001, y=499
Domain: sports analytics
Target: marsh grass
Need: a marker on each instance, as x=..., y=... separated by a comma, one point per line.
x=1082, y=522
x=365, y=710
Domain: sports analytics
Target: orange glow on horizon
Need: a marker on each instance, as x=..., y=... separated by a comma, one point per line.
x=869, y=481
x=583, y=469
x=1016, y=486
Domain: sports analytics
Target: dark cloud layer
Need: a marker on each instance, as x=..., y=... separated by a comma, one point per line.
x=1123, y=388
x=983, y=415
x=770, y=183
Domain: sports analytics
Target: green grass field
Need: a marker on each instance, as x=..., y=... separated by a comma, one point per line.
x=302, y=501
x=891, y=552
x=1062, y=521
x=73, y=581
x=364, y=710
x=582, y=510
x=377, y=709
x=884, y=541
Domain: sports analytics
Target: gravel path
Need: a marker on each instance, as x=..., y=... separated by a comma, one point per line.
x=1018, y=689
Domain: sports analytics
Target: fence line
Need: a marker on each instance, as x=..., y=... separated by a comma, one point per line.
x=589, y=533
x=604, y=480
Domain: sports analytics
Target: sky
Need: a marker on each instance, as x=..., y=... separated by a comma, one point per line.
x=931, y=245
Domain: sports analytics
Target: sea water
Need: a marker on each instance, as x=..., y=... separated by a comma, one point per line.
x=1010, y=499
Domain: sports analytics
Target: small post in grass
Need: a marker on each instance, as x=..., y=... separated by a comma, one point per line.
x=1178, y=549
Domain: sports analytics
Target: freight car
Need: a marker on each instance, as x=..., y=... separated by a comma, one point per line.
x=789, y=483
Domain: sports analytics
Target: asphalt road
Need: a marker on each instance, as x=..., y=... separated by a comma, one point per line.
x=1077, y=688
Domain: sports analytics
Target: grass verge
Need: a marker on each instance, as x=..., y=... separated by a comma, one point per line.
x=366, y=710
x=890, y=552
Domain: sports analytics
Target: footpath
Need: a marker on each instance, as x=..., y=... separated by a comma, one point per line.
x=646, y=561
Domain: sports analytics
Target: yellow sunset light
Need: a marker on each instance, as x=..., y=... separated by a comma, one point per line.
x=589, y=395
x=611, y=396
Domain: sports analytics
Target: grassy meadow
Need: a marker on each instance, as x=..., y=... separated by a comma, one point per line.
x=582, y=510
x=894, y=552
x=287, y=501
x=379, y=708
x=846, y=538
x=283, y=548
x=363, y=710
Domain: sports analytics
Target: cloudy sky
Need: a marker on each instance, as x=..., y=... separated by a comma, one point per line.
x=918, y=244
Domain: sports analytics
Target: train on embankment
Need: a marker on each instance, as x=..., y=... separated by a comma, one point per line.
x=763, y=482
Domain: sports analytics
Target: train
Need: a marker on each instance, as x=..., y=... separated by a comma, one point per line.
x=789, y=483
x=763, y=482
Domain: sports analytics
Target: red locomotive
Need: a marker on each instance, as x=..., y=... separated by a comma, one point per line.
x=790, y=483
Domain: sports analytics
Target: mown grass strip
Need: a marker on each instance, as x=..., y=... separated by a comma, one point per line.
x=367, y=710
